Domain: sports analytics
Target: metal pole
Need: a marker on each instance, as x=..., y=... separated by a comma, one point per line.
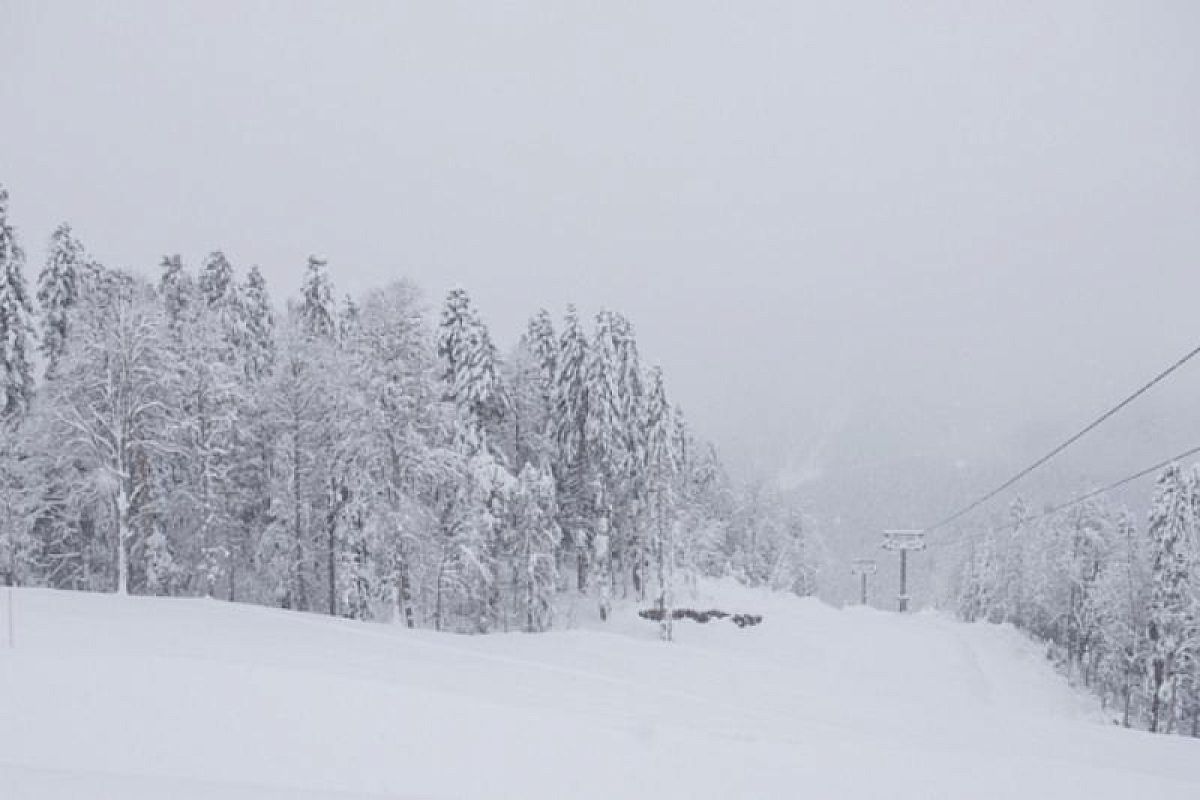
x=864, y=587
x=904, y=580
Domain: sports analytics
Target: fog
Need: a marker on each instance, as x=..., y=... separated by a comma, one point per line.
x=884, y=254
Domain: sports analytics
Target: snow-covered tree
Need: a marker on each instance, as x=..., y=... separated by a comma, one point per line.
x=316, y=308
x=395, y=372
x=572, y=468
x=216, y=281
x=358, y=460
x=1122, y=592
x=178, y=291
x=543, y=345
x=535, y=536
x=16, y=323
x=58, y=292
x=1172, y=608
x=257, y=326
x=302, y=401
x=660, y=476
x=107, y=411
x=471, y=370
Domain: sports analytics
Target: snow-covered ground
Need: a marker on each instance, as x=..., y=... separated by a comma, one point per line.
x=131, y=698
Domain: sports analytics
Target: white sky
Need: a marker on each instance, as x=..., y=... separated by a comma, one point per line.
x=891, y=249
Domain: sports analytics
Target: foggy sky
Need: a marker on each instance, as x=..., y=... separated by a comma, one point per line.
x=887, y=252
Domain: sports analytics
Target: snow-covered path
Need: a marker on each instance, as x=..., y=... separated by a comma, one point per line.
x=149, y=698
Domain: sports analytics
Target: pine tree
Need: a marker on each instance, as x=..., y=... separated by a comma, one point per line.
x=572, y=467
x=178, y=291
x=20, y=508
x=257, y=326
x=316, y=306
x=604, y=448
x=58, y=293
x=471, y=370
x=1171, y=532
x=531, y=378
x=16, y=324
x=543, y=344
x=471, y=374
x=660, y=475
x=216, y=281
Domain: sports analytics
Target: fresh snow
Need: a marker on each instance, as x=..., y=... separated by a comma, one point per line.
x=135, y=697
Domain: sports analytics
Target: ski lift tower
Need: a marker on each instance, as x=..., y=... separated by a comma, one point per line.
x=904, y=541
x=864, y=567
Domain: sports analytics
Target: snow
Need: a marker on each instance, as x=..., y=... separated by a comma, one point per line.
x=134, y=697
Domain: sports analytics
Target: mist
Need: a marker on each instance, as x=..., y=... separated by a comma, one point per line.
x=887, y=255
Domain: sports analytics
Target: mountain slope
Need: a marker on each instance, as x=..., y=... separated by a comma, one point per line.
x=105, y=696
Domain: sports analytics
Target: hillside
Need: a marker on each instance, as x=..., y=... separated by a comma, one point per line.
x=129, y=697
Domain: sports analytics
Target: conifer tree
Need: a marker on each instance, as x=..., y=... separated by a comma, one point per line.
x=1171, y=533
x=216, y=281
x=660, y=475
x=58, y=292
x=177, y=289
x=316, y=304
x=471, y=370
x=543, y=344
x=16, y=323
x=257, y=326
x=572, y=468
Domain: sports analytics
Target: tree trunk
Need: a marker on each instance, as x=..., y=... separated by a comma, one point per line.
x=297, y=590
x=437, y=606
x=122, y=557
x=122, y=509
x=232, y=576
x=332, y=547
x=404, y=593
x=1156, y=683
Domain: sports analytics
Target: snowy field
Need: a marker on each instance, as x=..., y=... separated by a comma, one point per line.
x=131, y=698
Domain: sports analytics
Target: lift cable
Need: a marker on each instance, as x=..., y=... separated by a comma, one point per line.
x=1072, y=440
x=1094, y=493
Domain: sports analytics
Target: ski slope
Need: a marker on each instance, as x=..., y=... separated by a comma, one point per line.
x=128, y=697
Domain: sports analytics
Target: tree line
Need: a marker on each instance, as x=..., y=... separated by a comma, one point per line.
x=361, y=457
x=1117, y=604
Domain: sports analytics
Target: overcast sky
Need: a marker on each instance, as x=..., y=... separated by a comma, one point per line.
x=888, y=250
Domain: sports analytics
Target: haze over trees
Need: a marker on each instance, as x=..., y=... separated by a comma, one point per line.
x=363, y=457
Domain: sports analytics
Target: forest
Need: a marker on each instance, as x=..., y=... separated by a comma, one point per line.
x=365, y=457
x=1117, y=603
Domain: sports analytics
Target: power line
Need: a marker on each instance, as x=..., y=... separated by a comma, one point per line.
x=1102, y=490
x=1115, y=484
x=1090, y=427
